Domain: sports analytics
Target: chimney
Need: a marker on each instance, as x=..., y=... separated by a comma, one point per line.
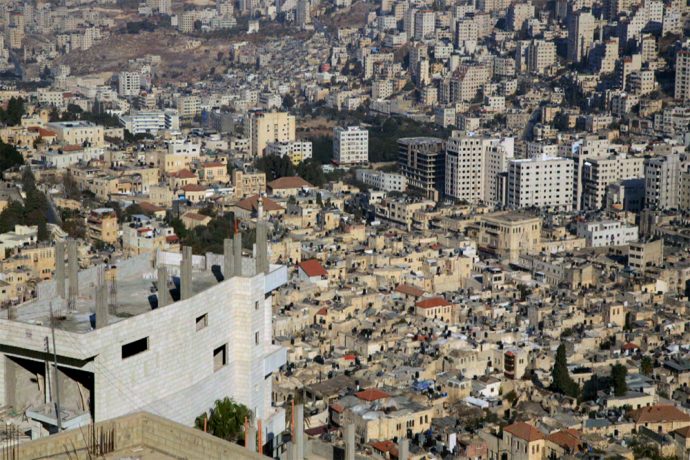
x=60, y=269
x=186, y=273
x=73, y=273
x=228, y=259
x=163, y=291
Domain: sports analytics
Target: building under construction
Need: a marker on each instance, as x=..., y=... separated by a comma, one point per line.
x=167, y=333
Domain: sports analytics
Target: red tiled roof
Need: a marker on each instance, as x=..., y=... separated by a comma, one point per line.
x=409, y=290
x=568, y=439
x=171, y=239
x=193, y=188
x=432, y=302
x=150, y=207
x=183, y=174
x=630, y=346
x=72, y=148
x=313, y=267
x=323, y=311
x=385, y=447
x=659, y=413
x=524, y=431
x=371, y=394
x=251, y=204
x=212, y=164
x=289, y=182
x=339, y=408
x=195, y=216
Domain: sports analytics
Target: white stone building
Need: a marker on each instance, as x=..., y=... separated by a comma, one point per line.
x=607, y=233
x=350, y=145
x=541, y=182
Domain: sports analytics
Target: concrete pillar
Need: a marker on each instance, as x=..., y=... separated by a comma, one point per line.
x=101, y=299
x=163, y=291
x=186, y=273
x=299, y=432
x=349, y=438
x=403, y=449
x=73, y=273
x=261, y=248
x=251, y=436
x=237, y=246
x=228, y=259
x=60, y=269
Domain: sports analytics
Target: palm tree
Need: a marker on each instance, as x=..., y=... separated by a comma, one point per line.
x=225, y=419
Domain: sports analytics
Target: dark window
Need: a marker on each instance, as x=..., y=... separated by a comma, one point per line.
x=202, y=322
x=134, y=348
x=220, y=357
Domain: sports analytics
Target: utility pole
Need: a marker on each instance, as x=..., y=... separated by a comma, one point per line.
x=57, y=380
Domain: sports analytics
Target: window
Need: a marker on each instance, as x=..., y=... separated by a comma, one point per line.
x=220, y=357
x=134, y=348
x=256, y=338
x=256, y=305
x=202, y=322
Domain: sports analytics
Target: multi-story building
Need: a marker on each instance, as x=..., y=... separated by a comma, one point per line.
x=350, y=145
x=662, y=181
x=424, y=24
x=248, y=183
x=422, y=162
x=263, y=128
x=580, y=35
x=599, y=173
x=389, y=182
x=682, y=83
x=509, y=234
x=188, y=106
x=150, y=121
x=82, y=133
x=607, y=233
x=465, y=158
x=540, y=182
x=128, y=83
x=101, y=225
x=297, y=151
x=541, y=55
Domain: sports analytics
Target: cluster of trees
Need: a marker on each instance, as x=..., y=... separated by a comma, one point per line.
x=209, y=238
x=34, y=211
x=564, y=384
x=9, y=157
x=13, y=114
x=74, y=112
x=224, y=420
x=276, y=167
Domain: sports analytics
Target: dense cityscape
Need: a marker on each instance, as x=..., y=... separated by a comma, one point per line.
x=345, y=229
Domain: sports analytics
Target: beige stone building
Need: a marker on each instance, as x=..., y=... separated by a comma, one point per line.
x=509, y=234
x=263, y=128
x=101, y=225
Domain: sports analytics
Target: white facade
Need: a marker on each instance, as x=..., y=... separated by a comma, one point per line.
x=540, y=182
x=128, y=83
x=389, y=182
x=350, y=145
x=465, y=167
x=599, y=173
x=424, y=24
x=662, y=181
x=682, y=83
x=607, y=233
x=150, y=121
x=176, y=372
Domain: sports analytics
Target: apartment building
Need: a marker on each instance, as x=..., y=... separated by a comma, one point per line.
x=599, y=173
x=263, y=128
x=82, y=133
x=541, y=55
x=188, y=106
x=682, y=82
x=662, y=181
x=350, y=145
x=422, y=162
x=465, y=159
x=150, y=121
x=540, y=182
x=248, y=183
x=380, y=180
x=128, y=84
x=101, y=225
x=424, y=24
x=581, y=26
x=607, y=233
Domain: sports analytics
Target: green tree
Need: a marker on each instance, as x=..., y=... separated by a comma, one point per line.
x=71, y=187
x=9, y=157
x=225, y=419
x=618, y=374
x=311, y=171
x=288, y=101
x=275, y=167
x=646, y=365
x=12, y=116
x=561, y=380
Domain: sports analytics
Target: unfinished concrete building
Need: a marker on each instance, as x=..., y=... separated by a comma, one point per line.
x=167, y=333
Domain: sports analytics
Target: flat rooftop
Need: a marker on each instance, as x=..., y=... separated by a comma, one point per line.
x=133, y=292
